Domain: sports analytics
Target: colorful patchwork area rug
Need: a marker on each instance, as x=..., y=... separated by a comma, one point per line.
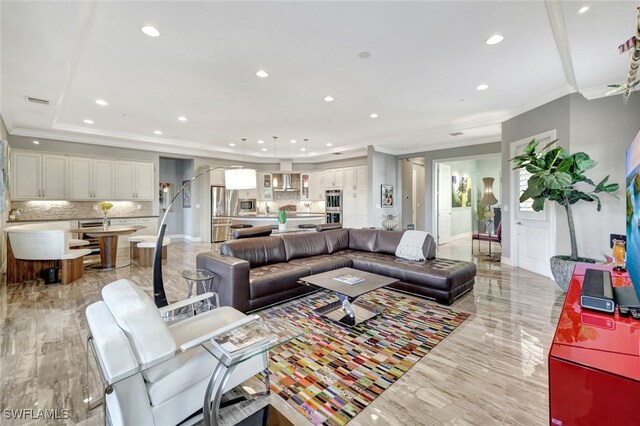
x=333, y=372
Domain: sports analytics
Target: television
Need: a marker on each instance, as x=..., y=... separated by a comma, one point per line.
x=633, y=212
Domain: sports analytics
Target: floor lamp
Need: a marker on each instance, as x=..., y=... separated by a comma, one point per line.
x=235, y=178
x=488, y=200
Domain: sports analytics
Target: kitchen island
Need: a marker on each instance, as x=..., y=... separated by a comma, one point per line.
x=271, y=219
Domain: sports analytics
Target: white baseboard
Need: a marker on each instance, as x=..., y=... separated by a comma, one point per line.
x=506, y=261
x=184, y=237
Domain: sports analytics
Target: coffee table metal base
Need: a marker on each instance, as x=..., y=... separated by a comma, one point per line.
x=348, y=312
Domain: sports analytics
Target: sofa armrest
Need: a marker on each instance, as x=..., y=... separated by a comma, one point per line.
x=231, y=280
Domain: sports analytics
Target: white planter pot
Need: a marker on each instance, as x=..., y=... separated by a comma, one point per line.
x=282, y=226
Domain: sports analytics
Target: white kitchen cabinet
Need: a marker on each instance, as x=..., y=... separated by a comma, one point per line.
x=355, y=209
x=134, y=181
x=248, y=193
x=316, y=186
x=91, y=179
x=149, y=227
x=334, y=178
x=355, y=178
x=38, y=176
x=304, y=186
x=265, y=187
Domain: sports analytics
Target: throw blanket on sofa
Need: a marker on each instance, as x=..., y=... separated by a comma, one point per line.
x=410, y=247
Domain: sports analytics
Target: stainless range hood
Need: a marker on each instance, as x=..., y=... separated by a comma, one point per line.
x=286, y=172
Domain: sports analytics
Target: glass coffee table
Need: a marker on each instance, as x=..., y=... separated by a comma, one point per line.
x=347, y=310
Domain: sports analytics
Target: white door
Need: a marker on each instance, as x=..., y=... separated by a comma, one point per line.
x=533, y=237
x=444, y=204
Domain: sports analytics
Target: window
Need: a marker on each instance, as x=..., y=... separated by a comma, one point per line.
x=525, y=206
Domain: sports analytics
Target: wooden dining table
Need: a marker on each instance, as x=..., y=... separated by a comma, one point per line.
x=108, y=241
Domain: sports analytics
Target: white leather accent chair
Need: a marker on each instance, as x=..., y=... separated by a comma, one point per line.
x=42, y=245
x=128, y=331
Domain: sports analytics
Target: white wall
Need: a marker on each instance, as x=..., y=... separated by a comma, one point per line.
x=382, y=169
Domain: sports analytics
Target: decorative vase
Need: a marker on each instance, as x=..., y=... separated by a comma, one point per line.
x=389, y=223
x=562, y=269
x=105, y=222
x=282, y=227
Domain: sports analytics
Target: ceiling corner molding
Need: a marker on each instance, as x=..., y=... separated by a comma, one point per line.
x=556, y=19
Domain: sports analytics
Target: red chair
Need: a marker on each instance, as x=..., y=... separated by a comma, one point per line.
x=492, y=238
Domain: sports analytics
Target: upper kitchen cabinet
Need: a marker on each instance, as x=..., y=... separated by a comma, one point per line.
x=134, y=181
x=334, y=178
x=91, y=179
x=38, y=176
x=314, y=191
x=265, y=187
x=355, y=178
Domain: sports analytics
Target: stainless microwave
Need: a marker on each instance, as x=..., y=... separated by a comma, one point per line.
x=247, y=205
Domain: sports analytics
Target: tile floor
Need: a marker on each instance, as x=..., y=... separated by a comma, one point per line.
x=492, y=370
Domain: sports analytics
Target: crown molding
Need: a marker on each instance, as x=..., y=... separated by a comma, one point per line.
x=556, y=20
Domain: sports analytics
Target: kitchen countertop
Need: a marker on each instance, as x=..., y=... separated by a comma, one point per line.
x=75, y=218
x=290, y=215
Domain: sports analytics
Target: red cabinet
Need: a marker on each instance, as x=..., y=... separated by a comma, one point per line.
x=594, y=363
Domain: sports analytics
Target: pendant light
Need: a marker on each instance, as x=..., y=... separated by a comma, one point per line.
x=239, y=177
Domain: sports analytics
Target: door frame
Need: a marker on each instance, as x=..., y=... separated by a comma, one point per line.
x=434, y=186
x=514, y=193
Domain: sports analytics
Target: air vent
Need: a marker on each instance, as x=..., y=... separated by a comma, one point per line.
x=37, y=100
x=337, y=153
x=456, y=134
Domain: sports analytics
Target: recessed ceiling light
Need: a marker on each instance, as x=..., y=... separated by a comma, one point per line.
x=482, y=87
x=329, y=144
x=87, y=121
x=293, y=141
x=36, y=142
x=583, y=9
x=261, y=141
x=495, y=39
x=374, y=115
x=303, y=149
x=102, y=102
x=262, y=74
x=328, y=98
x=264, y=149
x=232, y=144
x=157, y=132
x=150, y=31
x=364, y=54
x=182, y=118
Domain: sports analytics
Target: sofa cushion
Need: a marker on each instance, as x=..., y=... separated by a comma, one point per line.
x=362, y=239
x=442, y=274
x=337, y=239
x=323, y=263
x=275, y=278
x=387, y=241
x=258, y=251
x=304, y=245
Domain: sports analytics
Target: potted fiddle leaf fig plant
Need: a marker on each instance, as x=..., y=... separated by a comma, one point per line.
x=560, y=177
x=282, y=219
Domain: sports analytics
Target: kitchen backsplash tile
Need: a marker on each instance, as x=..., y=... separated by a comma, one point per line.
x=54, y=210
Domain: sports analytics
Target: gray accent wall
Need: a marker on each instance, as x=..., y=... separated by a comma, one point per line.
x=382, y=169
x=553, y=115
x=603, y=128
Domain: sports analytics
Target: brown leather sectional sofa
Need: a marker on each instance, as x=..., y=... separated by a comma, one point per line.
x=257, y=272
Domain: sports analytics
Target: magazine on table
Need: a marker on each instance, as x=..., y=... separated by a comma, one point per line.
x=245, y=338
x=348, y=279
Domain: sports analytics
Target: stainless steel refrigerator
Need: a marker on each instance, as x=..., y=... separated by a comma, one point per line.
x=223, y=204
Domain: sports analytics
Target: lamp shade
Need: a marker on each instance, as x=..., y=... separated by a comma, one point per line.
x=240, y=179
x=488, y=198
